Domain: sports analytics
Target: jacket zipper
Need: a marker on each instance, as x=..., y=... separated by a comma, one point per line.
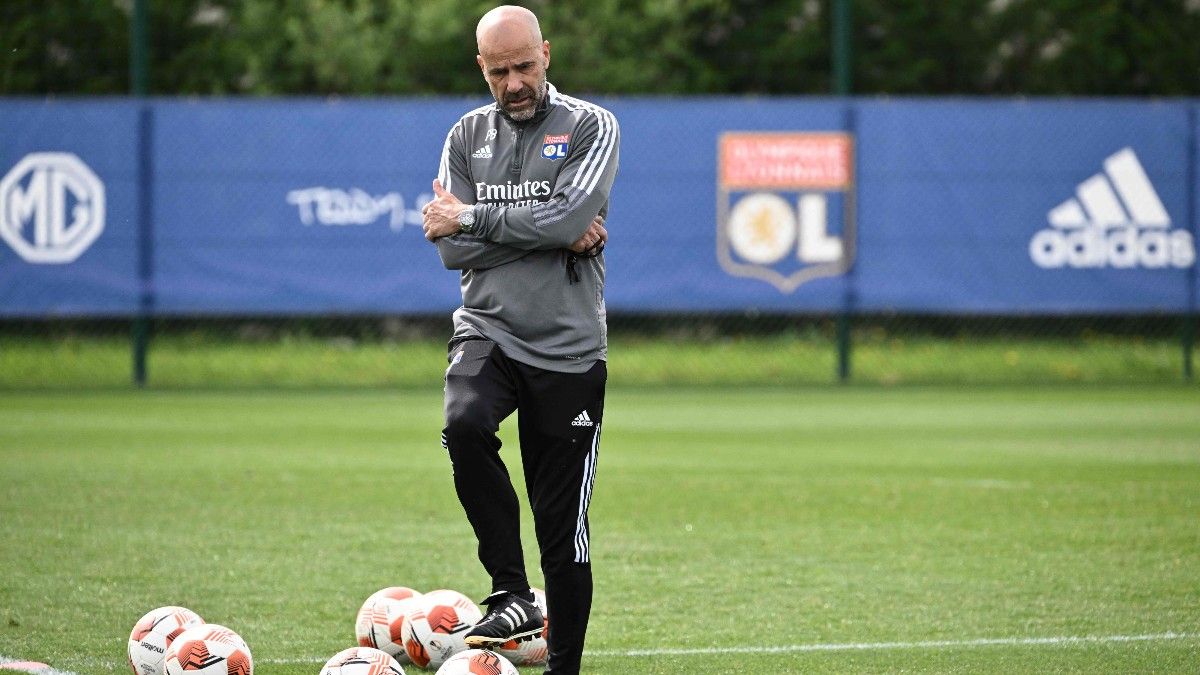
x=518, y=151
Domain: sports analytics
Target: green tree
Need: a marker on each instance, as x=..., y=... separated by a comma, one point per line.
x=65, y=47
x=921, y=47
x=1097, y=47
x=395, y=47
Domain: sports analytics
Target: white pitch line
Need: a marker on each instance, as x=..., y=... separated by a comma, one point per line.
x=854, y=646
x=928, y=644
x=5, y=660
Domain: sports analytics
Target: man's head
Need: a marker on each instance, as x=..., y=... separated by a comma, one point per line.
x=514, y=58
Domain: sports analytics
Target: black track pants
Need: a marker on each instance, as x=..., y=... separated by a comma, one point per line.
x=559, y=417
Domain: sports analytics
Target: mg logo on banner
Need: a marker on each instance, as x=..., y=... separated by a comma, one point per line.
x=51, y=207
x=785, y=211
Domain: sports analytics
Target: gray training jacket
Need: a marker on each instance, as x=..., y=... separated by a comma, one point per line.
x=536, y=186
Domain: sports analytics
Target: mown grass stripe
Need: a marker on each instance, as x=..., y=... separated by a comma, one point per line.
x=880, y=646
x=1058, y=641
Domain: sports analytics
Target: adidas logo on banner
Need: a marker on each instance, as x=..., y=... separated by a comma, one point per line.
x=1116, y=220
x=582, y=420
x=483, y=153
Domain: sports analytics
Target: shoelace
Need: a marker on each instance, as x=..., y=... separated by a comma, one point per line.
x=495, y=609
x=493, y=612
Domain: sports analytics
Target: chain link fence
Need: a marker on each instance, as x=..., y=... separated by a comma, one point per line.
x=246, y=284
x=653, y=350
x=277, y=244
x=658, y=334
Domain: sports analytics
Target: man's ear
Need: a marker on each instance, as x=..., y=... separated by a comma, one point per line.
x=479, y=60
x=546, y=54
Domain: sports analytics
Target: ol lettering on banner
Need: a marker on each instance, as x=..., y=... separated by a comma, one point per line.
x=785, y=206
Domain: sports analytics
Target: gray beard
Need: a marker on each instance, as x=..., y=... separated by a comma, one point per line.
x=524, y=115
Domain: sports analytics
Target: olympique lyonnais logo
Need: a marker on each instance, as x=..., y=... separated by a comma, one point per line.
x=51, y=207
x=555, y=146
x=776, y=193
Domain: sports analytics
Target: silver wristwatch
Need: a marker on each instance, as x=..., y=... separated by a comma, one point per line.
x=466, y=220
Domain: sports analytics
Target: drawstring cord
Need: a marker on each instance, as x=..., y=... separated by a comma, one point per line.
x=572, y=258
x=572, y=273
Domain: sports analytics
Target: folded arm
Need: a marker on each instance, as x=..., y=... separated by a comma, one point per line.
x=580, y=193
x=467, y=252
x=573, y=217
x=452, y=190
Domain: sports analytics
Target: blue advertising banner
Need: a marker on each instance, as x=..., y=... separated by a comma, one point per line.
x=662, y=252
x=721, y=204
x=68, y=201
x=298, y=207
x=1074, y=206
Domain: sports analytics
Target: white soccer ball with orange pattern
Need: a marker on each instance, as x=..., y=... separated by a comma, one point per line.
x=209, y=649
x=380, y=620
x=362, y=661
x=477, y=662
x=530, y=652
x=451, y=597
x=435, y=626
x=395, y=593
x=153, y=633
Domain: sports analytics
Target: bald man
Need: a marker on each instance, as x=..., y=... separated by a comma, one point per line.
x=521, y=202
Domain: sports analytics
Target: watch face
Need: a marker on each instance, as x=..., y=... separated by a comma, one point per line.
x=466, y=220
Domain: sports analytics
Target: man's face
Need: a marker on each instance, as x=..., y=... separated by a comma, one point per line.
x=516, y=75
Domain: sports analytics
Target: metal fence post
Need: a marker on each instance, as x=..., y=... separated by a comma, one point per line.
x=843, y=48
x=138, y=72
x=1188, y=334
x=843, y=71
x=145, y=243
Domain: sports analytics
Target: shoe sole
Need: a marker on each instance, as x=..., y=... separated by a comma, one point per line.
x=485, y=642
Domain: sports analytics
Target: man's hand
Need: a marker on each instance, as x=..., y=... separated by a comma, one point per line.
x=441, y=214
x=595, y=236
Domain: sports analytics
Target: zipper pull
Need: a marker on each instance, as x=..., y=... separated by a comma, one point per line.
x=572, y=273
x=515, y=167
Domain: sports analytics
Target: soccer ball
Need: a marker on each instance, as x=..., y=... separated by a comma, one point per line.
x=383, y=627
x=397, y=593
x=209, y=649
x=153, y=633
x=477, y=662
x=380, y=620
x=450, y=597
x=361, y=661
x=434, y=628
x=530, y=652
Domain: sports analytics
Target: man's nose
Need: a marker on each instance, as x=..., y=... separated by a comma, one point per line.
x=513, y=84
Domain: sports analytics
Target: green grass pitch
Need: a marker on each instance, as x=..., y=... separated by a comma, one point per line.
x=860, y=529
